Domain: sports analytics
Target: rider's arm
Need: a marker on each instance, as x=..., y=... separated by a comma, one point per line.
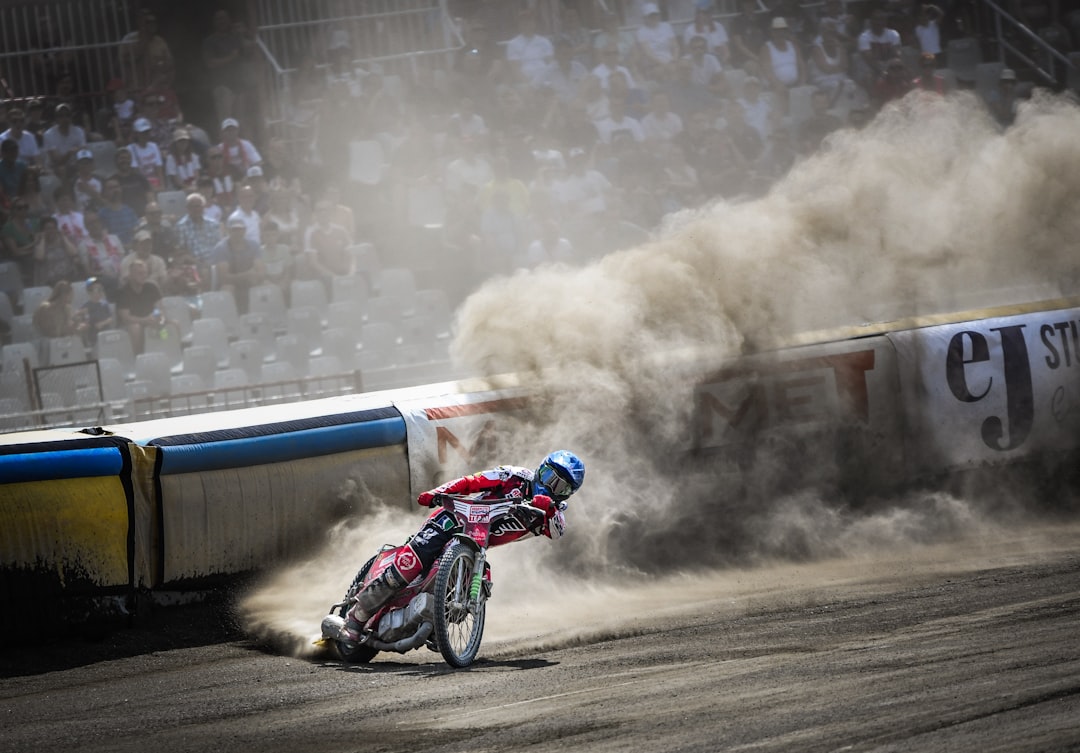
x=477, y=482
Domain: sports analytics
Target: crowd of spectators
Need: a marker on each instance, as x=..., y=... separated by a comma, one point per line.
x=530, y=148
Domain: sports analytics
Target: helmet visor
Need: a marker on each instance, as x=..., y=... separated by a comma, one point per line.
x=549, y=477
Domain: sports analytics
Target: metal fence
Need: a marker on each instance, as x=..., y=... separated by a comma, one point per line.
x=390, y=37
x=47, y=45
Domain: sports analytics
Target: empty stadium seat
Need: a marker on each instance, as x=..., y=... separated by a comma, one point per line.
x=178, y=310
x=294, y=351
x=247, y=355
x=154, y=368
x=308, y=294
x=269, y=301
x=33, y=297
x=202, y=361
x=220, y=304
x=13, y=355
x=212, y=333
x=61, y=350
x=165, y=340
x=116, y=344
x=961, y=56
x=306, y=324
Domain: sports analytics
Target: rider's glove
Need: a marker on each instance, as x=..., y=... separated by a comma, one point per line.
x=545, y=503
x=427, y=499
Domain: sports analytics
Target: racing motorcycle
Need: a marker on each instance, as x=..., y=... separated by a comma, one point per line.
x=442, y=609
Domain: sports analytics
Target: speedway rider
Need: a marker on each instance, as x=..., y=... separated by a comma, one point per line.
x=542, y=496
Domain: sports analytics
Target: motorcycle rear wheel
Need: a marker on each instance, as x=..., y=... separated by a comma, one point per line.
x=351, y=653
x=457, y=630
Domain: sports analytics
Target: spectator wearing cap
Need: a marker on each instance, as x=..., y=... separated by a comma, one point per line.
x=246, y=213
x=239, y=154
x=658, y=43
x=1002, y=99
x=29, y=150
x=182, y=165
x=220, y=177
x=119, y=218
x=96, y=313
x=133, y=184
x=143, y=248
x=62, y=142
x=146, y=155
x=238, y=263
x=258, y=183
x=12, y=170
x=87, y=187
x=780, y=59
x=198, y=234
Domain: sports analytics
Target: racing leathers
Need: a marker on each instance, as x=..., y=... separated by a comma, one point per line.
x=535, y=514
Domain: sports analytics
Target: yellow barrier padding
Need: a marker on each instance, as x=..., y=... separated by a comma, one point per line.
x=74, y=527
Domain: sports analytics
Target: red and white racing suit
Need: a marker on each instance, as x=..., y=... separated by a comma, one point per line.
x=535, y=514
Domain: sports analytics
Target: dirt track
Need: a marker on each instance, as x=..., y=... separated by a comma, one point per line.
x=967, y=647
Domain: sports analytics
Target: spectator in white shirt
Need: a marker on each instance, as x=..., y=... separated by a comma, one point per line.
x=704, y=66
x=29, y=151
x=62, y=142
x=660, y=123
x=529, y=51
x=609, y=63
x=146, y=156
x=659, y=45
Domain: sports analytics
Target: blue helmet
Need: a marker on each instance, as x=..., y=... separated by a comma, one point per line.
x=559, y=475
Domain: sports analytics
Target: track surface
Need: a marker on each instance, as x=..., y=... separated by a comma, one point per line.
x=969, y=647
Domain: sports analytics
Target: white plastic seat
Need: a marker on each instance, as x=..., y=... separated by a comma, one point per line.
x=345, y=315
x=231, y=385
x=294, y=351
x=173, y=203
x=13, y=355
x=69, y=349
x=396, y=282
x=165, y=340
x=435, y=305
x=306, y=324
x=349, y=289
x=269, y=301
x=104, y=157
x=22, y=329
x=178, y=311
x=182, y=384
x=308, y=294
x=202, y=361
x=257, y=326
x=33, y=297
x=341, y=344
x=116, y=344
x=113, y=377
x=378, y=345
x=212, y=333
x=220, y=304
x=367, y=162
x=154, y=368
x=247, y=355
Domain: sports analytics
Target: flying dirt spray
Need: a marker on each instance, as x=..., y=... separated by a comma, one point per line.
x=930, y=208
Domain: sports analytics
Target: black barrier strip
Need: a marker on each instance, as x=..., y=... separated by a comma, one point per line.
x=61, y=445
x=281, y=427
x=159, y=507
x=129, y=494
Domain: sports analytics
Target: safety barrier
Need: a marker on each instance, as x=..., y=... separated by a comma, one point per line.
x=182, y=503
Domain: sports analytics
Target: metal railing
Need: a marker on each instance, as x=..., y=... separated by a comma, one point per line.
x=1051, y=65
x=43, y=42
x=389, y=37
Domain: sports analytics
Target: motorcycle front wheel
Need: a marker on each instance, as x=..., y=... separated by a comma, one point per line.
x=349, y=652
x=457, y=629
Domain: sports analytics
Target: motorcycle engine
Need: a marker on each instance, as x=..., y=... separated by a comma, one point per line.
x=402, y=623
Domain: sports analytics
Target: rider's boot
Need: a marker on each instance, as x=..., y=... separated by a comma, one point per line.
x=374, y=595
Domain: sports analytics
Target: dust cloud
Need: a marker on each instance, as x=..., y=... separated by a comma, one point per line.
x=928, y=209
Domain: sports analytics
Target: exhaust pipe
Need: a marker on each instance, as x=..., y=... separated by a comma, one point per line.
x=333, y=629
